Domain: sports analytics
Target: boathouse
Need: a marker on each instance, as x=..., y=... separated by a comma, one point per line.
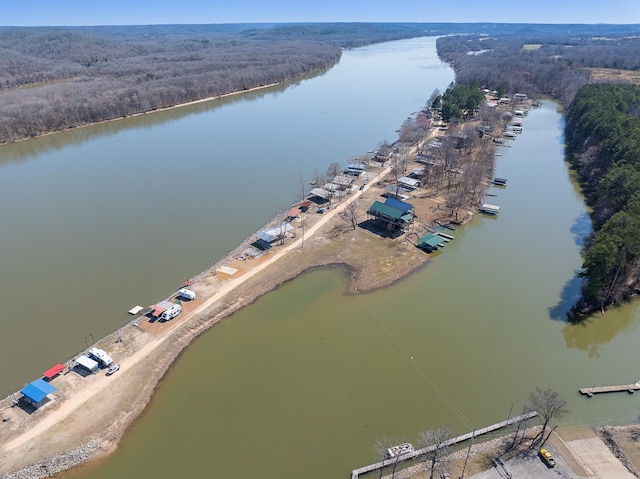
x=36, y=392
x=430, y=242
x=389, y=217
x=85, y=362
x=488, y=209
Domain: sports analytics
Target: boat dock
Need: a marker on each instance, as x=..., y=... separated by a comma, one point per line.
x=418, y=452
x=630, y=388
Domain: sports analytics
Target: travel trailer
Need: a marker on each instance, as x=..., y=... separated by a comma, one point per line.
x=188, y=294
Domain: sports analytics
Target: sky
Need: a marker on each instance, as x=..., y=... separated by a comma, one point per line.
x=146, y=12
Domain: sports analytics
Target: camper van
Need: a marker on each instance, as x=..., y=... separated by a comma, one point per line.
x=188, y=294
x=171, y=312
x=100, y=356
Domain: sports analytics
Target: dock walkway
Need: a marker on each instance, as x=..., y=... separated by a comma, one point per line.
x=630, y=388
x=418, y=452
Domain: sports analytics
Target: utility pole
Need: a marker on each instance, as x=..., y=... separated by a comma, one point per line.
x=302, y=241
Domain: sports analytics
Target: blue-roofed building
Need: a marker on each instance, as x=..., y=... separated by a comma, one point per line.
x=35, y=392
x=396, y=203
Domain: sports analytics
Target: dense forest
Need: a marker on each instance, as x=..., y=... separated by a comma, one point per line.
x=553, y=65
x=603, y=136
x=54, y=78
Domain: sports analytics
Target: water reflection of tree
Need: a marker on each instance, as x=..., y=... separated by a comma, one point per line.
x=598, y=330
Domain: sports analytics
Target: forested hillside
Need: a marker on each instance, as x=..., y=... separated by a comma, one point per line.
x=603, y=135
x=53, y=78
x=554, y=65
x=57, y=78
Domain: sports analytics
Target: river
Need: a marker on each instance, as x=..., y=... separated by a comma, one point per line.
x=97, y=220
x=303, y=381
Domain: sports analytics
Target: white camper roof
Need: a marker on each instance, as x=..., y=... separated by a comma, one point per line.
x=87, y=363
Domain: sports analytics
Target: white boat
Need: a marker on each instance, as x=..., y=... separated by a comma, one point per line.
x=113, y=368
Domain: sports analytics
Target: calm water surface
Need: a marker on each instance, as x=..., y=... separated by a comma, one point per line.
x=302, y=382
x=99, y=219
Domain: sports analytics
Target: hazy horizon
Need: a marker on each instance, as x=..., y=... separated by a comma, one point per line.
x=146, y=12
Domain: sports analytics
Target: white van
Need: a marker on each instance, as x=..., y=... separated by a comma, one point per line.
x=171, y=312
x=188, y=294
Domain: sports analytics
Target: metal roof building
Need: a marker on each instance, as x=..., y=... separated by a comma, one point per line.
x=430, y=242
x=275, y=233
x=399, y=204
x=36, y=392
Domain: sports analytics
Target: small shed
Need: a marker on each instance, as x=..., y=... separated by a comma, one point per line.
x=35, y=392
x=87, y=363
x=51, y=373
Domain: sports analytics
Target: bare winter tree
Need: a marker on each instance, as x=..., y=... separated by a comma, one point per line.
x=302, y=185
x=435, y=439
x=318, y=178
x=333, y=171
x=380, y=447
x=549, y=406
x=350, y=214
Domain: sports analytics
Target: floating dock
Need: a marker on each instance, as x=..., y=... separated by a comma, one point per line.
x=630, y=388
x=418, y=452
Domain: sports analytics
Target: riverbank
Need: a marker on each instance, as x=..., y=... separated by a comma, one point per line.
x=37, y=443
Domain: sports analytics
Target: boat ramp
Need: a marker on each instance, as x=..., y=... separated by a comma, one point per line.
x=412, y=454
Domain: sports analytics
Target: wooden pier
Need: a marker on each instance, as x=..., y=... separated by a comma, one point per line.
x=418, y=452
x=630, y=388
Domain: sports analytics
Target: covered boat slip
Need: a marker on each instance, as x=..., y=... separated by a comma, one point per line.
x=488, y=209
x=430, y=242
